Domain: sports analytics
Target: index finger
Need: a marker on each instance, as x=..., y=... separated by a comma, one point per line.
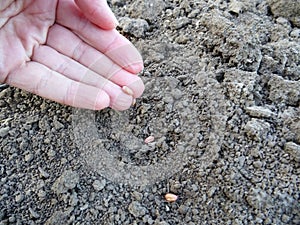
x=109, y=42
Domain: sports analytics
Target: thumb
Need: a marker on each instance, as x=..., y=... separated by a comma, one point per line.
x=98, y=12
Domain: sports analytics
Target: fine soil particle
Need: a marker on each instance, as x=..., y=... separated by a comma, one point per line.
x=222, y=100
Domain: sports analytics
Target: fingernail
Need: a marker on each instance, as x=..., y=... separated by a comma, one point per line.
x=127, y=90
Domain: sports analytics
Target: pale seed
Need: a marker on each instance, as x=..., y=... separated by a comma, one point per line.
x=171, y=197
x=149, y=139
x=127, y=90
x=133, y=102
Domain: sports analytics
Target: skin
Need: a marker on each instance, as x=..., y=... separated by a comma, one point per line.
x=68, y=51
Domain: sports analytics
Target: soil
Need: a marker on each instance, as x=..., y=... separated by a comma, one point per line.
x=221, y=101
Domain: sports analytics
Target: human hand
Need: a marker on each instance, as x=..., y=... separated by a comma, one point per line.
x=68, y=51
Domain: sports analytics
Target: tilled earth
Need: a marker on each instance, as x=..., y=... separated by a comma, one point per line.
x=222, y=103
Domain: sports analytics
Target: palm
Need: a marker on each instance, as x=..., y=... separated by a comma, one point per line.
x=68, y=53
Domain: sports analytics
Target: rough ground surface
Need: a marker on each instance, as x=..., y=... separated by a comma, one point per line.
x=222, y=88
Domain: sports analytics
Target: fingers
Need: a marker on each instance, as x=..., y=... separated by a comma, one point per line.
x=92, y=59
x=109, y=42
x=40, y=80
x=98, y=12
x=77, y=72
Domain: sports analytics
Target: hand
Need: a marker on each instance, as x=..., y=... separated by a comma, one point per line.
x=68, y=51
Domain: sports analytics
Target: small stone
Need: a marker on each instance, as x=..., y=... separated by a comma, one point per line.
x=43, y=173
x=257, y=198
x=180, y=22
x=84, y=207
x=161, y=223
x=182, y=39
x=4, y=131
x=47, y=141
x=257, y=129
x=286, y=8
x=257, y=164
x=211, y=191
x=293, y=150
x=136, y=27
x=194, y=13
x=118, y=3
x=19, y=198
x=51, y=153
x=284, y=91
x=42, y=194
x=138, y=196
x=12, y=219
x=74, y=199
x=236, y=7
x=285, y=218
x=136, y=209
x=260, y=112
x=28, y=157
x=33, y=213
x=295, y=33
x=99, y=185
x=67, y=181
x=58, y=218
x=176, y=94
x=183, y=209
x=58, y=125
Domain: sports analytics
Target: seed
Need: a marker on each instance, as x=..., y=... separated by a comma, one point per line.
x=127, y=90
x=171, y=197
x=133, y=102
x=149, y=139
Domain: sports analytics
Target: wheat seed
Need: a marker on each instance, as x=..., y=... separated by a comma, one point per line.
x=149, y=139
x=171, y=197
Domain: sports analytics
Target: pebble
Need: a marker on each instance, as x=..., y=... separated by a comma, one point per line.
x=33, y=213
x=99, y=185
x=43, y=173
x=257, y=198
x=293, y=149
x=28, y=157
x=19, y=198
x=257, y=164
x=260, y=112
x=58, y=125
x=284, y=91
x=4, y=131
x=161, y=223
x=12, y=219
x=42, y=194
x=180, y=22
x=183, y=209
x=136, y=27
x=295, y=33
x=236, y=7
x=136, y=209
x=138, y=196
x=67, y=181
x=84, y=207
x=257, y=129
